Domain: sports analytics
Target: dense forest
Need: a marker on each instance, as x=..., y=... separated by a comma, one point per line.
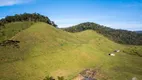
x=35, y=17
x=117, y=35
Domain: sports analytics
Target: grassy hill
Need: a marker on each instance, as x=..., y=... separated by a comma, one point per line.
x=11, y=29
x=45, y=50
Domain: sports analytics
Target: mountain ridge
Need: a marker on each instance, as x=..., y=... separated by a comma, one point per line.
x=117, y=35
x=138, y=31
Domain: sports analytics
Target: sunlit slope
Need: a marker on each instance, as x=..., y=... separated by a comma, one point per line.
x=45, y=50
x=10, y=29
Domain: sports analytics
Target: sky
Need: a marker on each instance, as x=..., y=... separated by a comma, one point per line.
x=118, y=14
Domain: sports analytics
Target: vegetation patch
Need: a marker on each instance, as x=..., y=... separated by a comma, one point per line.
x=51, y=78
x=13, y=43
x=133, y=51
x=35, y=17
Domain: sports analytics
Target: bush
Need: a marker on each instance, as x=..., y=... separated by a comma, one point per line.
x=51, y=78
x=48, y=78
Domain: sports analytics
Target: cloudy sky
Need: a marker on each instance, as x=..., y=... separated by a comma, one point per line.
x=119, y=14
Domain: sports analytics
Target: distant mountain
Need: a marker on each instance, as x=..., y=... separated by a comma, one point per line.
x=117, y=35
x=138, y=31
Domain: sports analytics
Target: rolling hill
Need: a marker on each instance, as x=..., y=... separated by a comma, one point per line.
x=45, y=50
x=117, y=35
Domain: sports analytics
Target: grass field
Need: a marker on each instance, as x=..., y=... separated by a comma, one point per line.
x=13, y=28
x=45, y=50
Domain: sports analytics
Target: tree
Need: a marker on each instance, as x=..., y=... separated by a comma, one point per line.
x=53, y=24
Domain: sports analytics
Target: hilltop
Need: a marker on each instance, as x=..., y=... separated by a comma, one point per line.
x=34, y=17
x=11, y=25
x=117, y=35
x=46, y=50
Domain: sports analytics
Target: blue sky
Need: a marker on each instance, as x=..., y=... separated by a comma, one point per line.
x=119, y=14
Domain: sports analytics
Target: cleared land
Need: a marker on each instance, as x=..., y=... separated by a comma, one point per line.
x=45, y=50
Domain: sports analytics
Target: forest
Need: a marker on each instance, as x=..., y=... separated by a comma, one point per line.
x=35, y=17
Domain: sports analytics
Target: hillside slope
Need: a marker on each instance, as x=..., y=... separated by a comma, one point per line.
x=10, y=29
x=45, y=50
x=117, y=35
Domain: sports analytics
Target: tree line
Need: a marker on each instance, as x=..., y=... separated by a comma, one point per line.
x=117, y=35
x=35, y=17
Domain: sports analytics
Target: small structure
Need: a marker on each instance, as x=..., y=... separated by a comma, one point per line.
x=134, y=78
x=112, y=54
x=117, y=51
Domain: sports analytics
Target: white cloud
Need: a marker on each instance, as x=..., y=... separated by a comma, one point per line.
x=12, y=2
x=68, y=21
x=65, y=25
x=128, y=25
x=103, y=20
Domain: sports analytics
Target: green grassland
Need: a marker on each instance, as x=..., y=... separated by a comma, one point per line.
x=45, y=50
x=10, y=29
